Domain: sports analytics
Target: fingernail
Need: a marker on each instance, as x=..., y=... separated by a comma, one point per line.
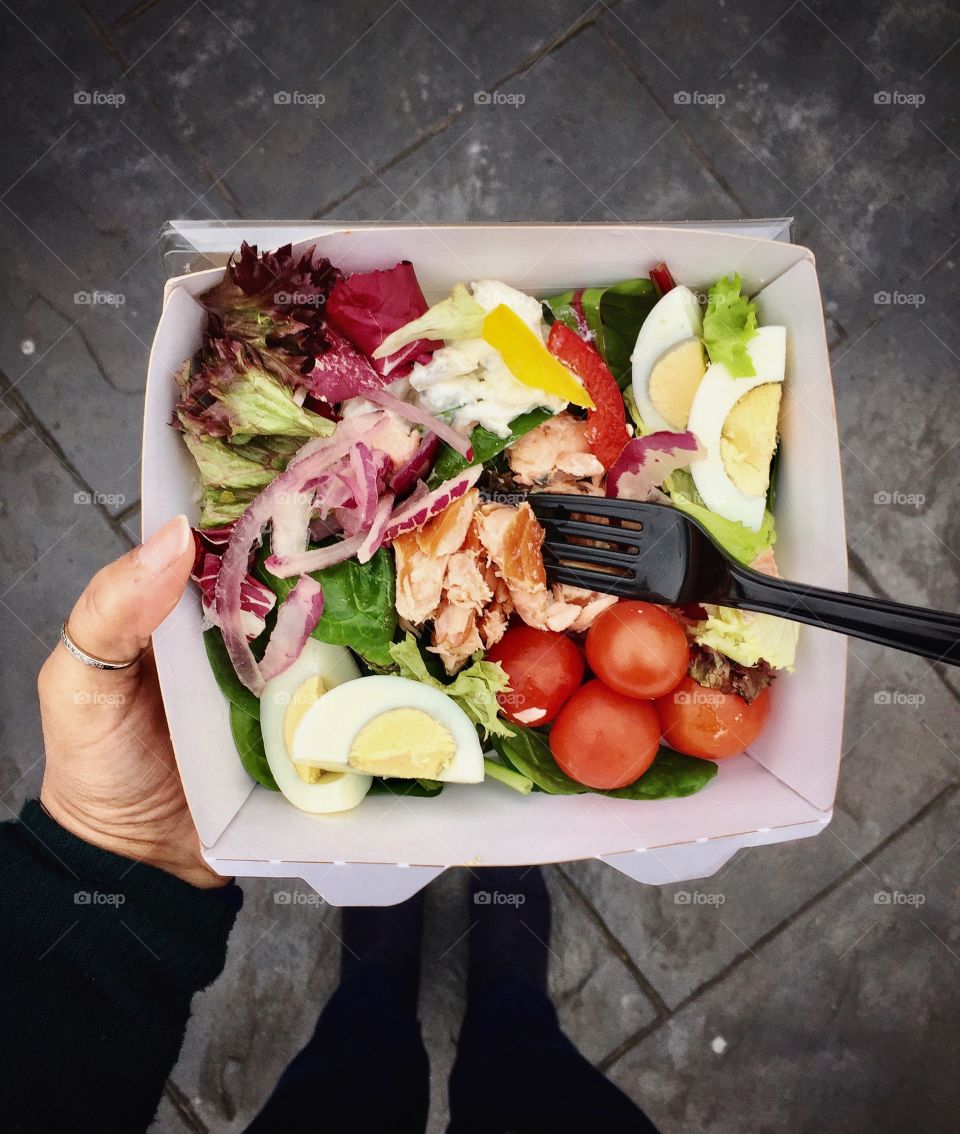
x=166, y=545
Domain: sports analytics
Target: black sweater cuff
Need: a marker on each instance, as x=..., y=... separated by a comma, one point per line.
x=153, y=923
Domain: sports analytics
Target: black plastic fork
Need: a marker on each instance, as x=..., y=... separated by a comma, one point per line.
x=659, y=554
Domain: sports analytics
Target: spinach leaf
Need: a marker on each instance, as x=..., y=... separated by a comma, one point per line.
x=614, y=314
x=527, y=752
x=486, y=446
x=669, y=776
x=391, y=785
x=249, y=742
x=230, y=685
x=358, y=608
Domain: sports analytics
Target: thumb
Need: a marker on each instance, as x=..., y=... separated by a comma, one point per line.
x=128, y=599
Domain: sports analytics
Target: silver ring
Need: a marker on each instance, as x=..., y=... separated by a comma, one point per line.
x=89, y=659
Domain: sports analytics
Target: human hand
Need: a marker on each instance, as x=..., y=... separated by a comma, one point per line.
x=110, y=775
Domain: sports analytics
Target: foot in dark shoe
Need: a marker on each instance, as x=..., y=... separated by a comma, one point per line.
x=385, y=937
x=510, y=907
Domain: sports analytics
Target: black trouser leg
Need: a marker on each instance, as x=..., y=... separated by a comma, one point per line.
x=517, y=1073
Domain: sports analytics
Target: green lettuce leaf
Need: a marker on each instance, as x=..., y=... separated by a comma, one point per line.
x=358, y=604
x=259, y=404
x=474, y=689
x=670, y=776
x=486, y=446
x=749, y=638
x=729, y=323
x=224, y=505
x=253, y=465
x=735, y=538
x=457, y=317
x=614, y=314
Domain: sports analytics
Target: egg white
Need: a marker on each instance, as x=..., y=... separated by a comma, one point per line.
x=329, y=727
x=716, y=396
x=337, y=792
x=675, y=317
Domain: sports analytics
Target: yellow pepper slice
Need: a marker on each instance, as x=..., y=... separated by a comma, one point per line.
x=529, y=360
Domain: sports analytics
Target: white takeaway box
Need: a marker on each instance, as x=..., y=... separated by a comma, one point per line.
x=388, y=848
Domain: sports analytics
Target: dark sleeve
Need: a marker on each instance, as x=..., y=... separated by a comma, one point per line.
x=99, y=957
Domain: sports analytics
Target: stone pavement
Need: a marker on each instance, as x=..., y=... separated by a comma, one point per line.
x=796, y=997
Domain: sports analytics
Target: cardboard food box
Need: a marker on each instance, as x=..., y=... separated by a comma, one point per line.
x=388, y=848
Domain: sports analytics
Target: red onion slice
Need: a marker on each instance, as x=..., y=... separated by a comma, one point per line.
x=297, y=619
x=374, y=537
x=445, y=432
x=316, y=559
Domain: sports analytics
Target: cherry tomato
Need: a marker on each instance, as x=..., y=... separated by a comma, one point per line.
x=638, y=649
x=544, y=668
x=704, y=722
x=603, y=739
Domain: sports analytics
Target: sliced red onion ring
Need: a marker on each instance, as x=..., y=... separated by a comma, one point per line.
x=290, y=521
x=445, y=432
x=316, y=559
x=297, y=619
x=374, y=537
x=246, y=535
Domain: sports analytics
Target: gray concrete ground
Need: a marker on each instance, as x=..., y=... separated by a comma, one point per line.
x=803, y=1001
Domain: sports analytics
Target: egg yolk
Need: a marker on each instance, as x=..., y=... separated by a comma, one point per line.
x=305, y=695
x=407, y=743
x=749, y=438
x=674, y=380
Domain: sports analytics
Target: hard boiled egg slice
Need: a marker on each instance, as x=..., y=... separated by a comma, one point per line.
x=668, y=360
x=734, y=446
x=390, y=726
x=283, y=703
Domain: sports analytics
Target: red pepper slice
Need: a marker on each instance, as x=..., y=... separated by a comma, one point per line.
x=662, y=280
x=607, y=424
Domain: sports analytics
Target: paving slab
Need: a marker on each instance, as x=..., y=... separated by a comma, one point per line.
x=91, y=174
x=44, y=564
x=901, y=463
x=335, y=92
x=845, y=1020
x=542, y=156
x=814, y=110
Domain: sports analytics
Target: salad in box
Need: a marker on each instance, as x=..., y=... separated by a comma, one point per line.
x=378, y=610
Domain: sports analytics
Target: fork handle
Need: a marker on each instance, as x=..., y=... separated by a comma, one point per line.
x=930, y=633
